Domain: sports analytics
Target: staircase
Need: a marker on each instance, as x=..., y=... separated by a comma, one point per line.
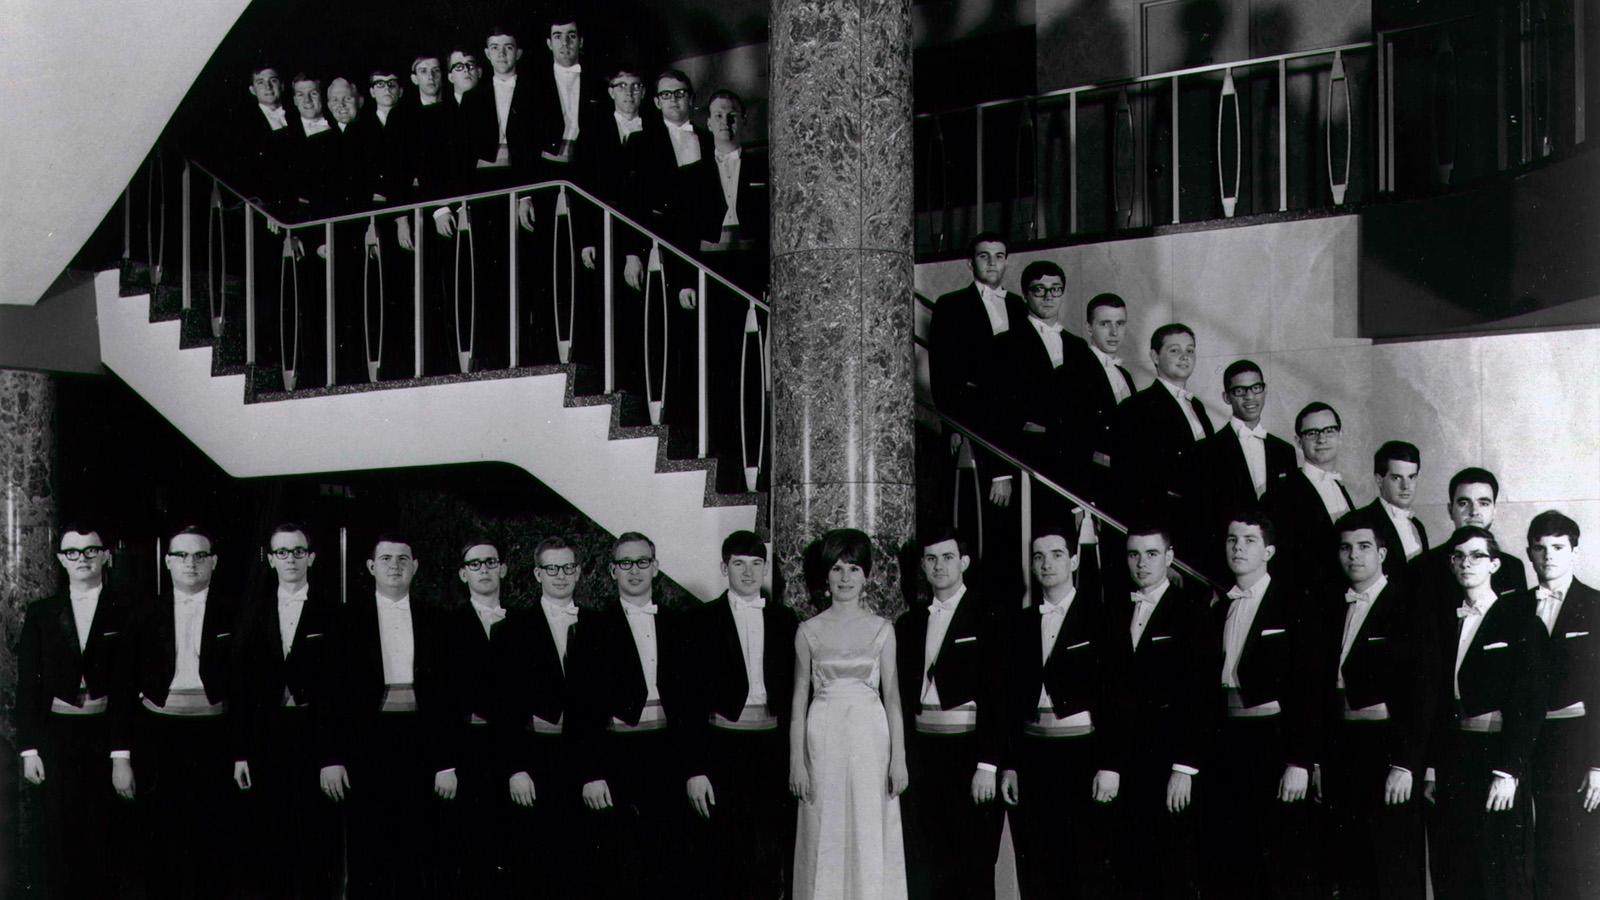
x=619, y=475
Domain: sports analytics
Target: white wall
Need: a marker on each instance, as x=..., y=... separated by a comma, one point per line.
x=1526, y=406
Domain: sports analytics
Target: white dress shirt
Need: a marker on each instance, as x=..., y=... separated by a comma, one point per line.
x=685, y=143
x=1406, y=525
x=1183, y=397
x=642, y=622
x=626, y=127
x=1050, y=333
x=1243, y=604
x=84, y=604
x=1469, y=630
x=728, y=171
x=315, y=126
x=940, y=612
x=567, y=89
x=276, y=118
x=1358, y=605
x=1051, y=615
x=1143, y=609
x=1550, y=605
x=396, y=640
x=1327, y=487
x=290, y=605
x=188, y=624
x=504, y=87
x=994, y=303
x=488, y=616
x=1253, y=441
x=383, y=114
x=752, y=643
x=559, y=615
x=1109, y=363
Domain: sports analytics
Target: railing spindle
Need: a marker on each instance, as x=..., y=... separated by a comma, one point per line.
x=608, y=288
x=1072, y=163
x=752, y=326
x=372, y=252
x=1579, y=84
x=563, y=216
x=329, y=341
x=702, y=432
x=250, y=284
x=1283, y=135
x=1337, y=74
x=418, y=240
x=127, y=221
x=1176, y=214
x=1025, y=512
x=188, y=238
x=1229, y=201
x=464, y=233
x=288, y=273
x=511, y=289
x=655, y=398
x=978, y=134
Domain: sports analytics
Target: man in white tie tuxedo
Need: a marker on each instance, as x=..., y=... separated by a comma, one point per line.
x=1157, y=430
x=1306, y=502
x=1396, y=466
x=1235, y=467
x=1033, y=386
x=1098, y=382
x=1474, y=494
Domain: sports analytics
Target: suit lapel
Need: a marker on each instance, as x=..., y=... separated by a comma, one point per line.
x=67, y=627
x=167, y=637
x=732, y=650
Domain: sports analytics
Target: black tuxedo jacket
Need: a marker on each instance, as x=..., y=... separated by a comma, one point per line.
x=524, y=131
x=1152, y=457
x=532, y=682
x=964, y=366
x=1081, y=674
x=1574, y=658
x=1434, y=584
x=607, y=680
x=261, y=673
x=50, y=664
x=1031, y=390
x=1504, y=669
x=750, y=198
x=593, y=103
x=390, y=155
x=473, y=656
x=719, y=683
x=150, y=658
x=1170, y=679
x=1221, y=478
x=360, y=686
x=259, y=157
x=1394, y=660
x=970, y=666
x=1091, y=411
x=670, y=195
x=435, y=155
x=1279, y=662
x=1395, y=564
x=1306, y=542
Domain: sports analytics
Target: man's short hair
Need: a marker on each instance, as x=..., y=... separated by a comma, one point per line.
x=1041, y=268
x=1056, y=528
x=478, y=540
x=468, y=52
x=262, y=67
x=676, y=74
x=1102, y=300
x=628, y=537
x=1474, y=475
x=1468, y=532
x=1356, y=520
x=1398, y=451
x=87, y=527
x=288, y=528
x=1313, y=408
x=552, y=543
x=302, y=77
x=197, y=530
x=421, y=58
x=500, y=29
x=743, y=543
x=1258, y=518
x=1546, y=524
x=560, y=15
x=390, y=537
x=1161, y=334
x=984, y=237
x=940, y=535
x=1146, y=529
x=1239, y=367
x=380, y=72
x=625, y=69
x=725, y=94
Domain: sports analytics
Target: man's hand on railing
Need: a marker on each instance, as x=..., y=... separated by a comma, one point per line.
x=688, y=298
x=525, y=212
x=633, y=272
x=444, y=222
x=1000, y=492
x=298, y=248
x=273, y=228
x=587, y=254
x=322, y=251
x=402, y=232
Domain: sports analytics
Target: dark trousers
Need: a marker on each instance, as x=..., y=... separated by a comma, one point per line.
x=76, y=806
x=1566, y=839
x=1256, y=845
x=1062, y=835
x=637, y=846
x=291, y=829
x=478, y=823
x=1477, y=854
x=951, y=842
x=1156, y=851
x=183, y=778
x=395, y=824
x=545, y=841
x=745, y=850
x=1377, y=848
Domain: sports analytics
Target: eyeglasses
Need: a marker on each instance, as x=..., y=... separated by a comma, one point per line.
x=199, y=556
x=461, y=67
x=562, y=569
x=390, y=83
x=283, y=553
x=632, y=87
x=478, y=565
x=1249, y=390
x=628, y=565
x=77, y=553
x=674, y=94
x=1039, y=290
x=1331, y=431
x=402, y=559
x=1457, y=558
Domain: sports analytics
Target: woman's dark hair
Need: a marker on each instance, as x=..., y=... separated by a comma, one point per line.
x=839, y=545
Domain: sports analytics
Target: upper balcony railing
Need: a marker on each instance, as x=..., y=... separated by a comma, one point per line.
x=1419, y=109
x=487, y=266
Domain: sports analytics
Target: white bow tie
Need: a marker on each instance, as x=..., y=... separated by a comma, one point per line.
x=1052, y=609
x=80, y=598
x=1546, y=594
x=570, y=609
x=1047, y=326
x=1237, y=593
x=649, y=609
x=1467, y=609
x=1113, y=361
x=943, y=606
x=1354, y=596
x=1138, y=597
x=1259, y=432
x=742, y=603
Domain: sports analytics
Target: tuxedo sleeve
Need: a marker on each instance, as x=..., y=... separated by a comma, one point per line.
x=584, y=731
x=992, y=707
x=1419, y=698
x=1198, y=694
x=29, y=711
x=1524, y=708
x=1303, y=713
x=124, y=701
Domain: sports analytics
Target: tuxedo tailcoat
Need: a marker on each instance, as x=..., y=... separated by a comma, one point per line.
x=593, y=114
x=671, y=194
x=1567, y=838
x=1091, y=418
x=1037, y=396
x=1434, y=583
x=524, y=131
x=1222, y=478
x=1153, y=460
x=1395, y=564
x=1307, y=543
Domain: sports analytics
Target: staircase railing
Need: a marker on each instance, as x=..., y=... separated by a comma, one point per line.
x=719, y=305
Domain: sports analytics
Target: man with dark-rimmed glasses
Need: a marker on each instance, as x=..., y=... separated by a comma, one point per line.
x=1236, y=466
x=1306, y=503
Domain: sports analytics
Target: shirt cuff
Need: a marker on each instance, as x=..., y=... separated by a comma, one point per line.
x=449, y=771
x=1182, y=769
x=1430, y=775
x=30, y=752
x=987, y=767
x=122, y=754
x=1400, y=768
x=441, y=213
x=1500, y=774
x=1000, y=478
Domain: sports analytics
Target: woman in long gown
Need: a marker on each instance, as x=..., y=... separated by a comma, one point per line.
x=846, y=741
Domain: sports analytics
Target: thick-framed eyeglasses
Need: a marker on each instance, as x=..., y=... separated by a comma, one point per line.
x=283, y=553
x=478, y=565
x=1039, y=290
x=77, y=553
x=1457, y=558
x=632, y=87
x=562, y=569
x=461, y=67
x=628, y=565
x=390, y=83
x=1332, y=431
x=674, y=94
x=1249, y=390
x=199, y=556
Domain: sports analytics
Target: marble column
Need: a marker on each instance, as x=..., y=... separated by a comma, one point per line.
x=841, y=286
x=28, y=567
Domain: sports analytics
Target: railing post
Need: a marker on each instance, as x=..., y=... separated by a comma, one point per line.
x=1072, y=163
x=188, y=238
x=511, y=289
x=1283, y=135
x=1025, y=511
x=1175, y=213
x=127, y=224
x=1502, y=140
x=250, y=284
x=978, y=210
x=1229, y=201
x=608, y=286
x=702, y=432
x=327, y=288
x=417, y=242
x=1579, y=84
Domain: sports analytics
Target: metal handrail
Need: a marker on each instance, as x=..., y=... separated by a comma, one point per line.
x=1029, y=471
x=404, y=208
